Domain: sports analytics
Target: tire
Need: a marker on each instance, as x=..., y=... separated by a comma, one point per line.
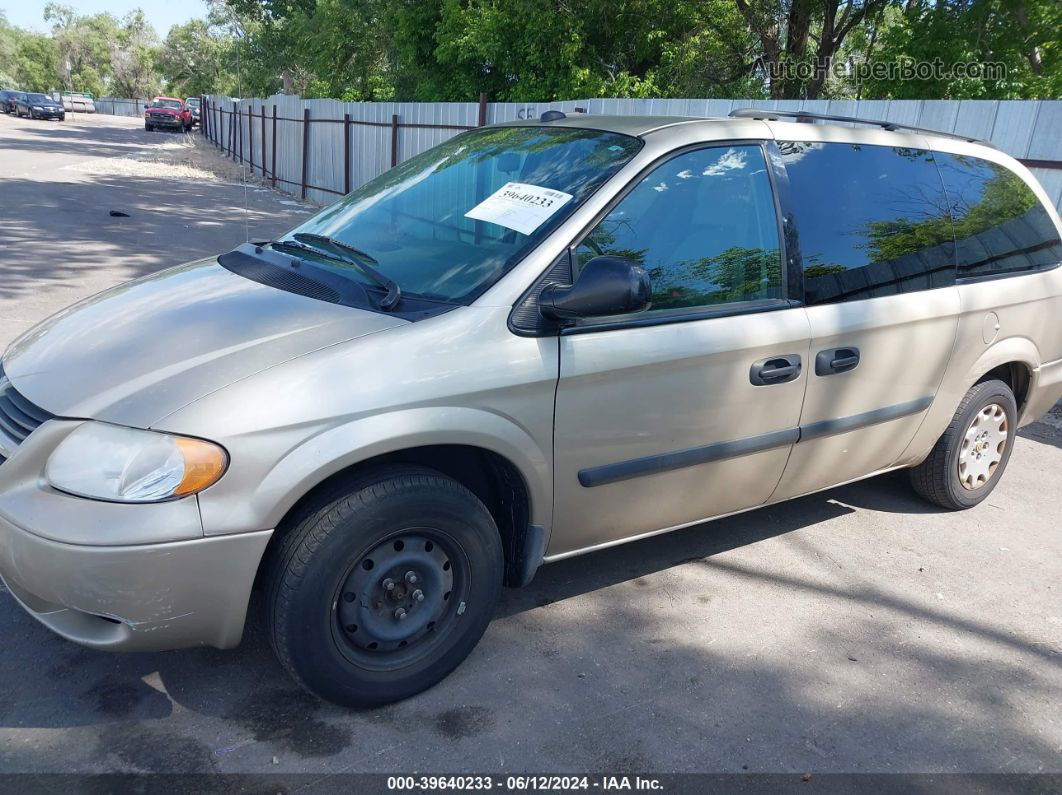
x=148, y=127
x=333, y=622
x=960, y=472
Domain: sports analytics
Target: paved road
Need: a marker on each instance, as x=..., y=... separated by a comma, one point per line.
x=855, y=630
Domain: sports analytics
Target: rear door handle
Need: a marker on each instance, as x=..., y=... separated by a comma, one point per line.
x=775, y=370
x=836, y=360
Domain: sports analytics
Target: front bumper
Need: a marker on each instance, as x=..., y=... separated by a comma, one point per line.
x=134, y=598
x=116, y=576
x=48, y=114
x=165, y=121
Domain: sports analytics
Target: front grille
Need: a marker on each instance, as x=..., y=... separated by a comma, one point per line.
x=18, y=417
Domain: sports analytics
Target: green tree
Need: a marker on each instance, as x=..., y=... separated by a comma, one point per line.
x=133, y=55
x=37, y=63
x=84, y=47
x=1021, y=35
x=197, y=58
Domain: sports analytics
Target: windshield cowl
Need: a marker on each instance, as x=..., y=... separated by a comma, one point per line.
x=290, y=266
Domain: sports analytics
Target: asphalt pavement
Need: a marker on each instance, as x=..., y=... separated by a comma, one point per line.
x=857, y=630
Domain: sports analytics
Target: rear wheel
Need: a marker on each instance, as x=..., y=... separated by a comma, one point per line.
x=382, y=591
x=969, y=458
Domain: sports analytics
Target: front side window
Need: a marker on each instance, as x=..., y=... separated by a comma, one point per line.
x=703, y=225
x=1000, y=225
x=871, y=220
x=449, y=222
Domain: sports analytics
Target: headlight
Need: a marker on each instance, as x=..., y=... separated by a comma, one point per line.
x=109, y=462
x=37, y=107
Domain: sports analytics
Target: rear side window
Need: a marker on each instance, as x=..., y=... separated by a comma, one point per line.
x=1000, y=226
x=871, y=220
x=704, y=226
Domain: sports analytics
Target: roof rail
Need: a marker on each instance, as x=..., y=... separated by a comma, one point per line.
x=804, y=115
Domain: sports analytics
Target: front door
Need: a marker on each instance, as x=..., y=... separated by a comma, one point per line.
x=688, y=410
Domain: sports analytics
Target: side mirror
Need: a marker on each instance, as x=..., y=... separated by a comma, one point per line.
x=605, y=286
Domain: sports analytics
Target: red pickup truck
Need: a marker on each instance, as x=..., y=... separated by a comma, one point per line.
x=167, y=113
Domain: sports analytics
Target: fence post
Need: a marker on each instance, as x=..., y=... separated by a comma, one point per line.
x=237, y=119
x=232, y=132
x=250, y=137
x=263, y=141
x=204, y=106
x=274, y=152
x=305, y=146
x=394, y=140
x=346, y=153
x=482, y=108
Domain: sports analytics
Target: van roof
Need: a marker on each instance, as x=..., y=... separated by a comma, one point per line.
x=784, y=128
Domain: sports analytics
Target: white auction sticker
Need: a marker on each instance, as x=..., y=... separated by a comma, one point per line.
x=519, y=206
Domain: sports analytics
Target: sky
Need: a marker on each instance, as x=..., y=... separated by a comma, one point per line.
x=162, y=14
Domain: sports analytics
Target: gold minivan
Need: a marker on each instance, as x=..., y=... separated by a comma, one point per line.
x=531, y=342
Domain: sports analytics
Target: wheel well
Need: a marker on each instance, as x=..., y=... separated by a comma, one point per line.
x=491, y=477
x=1016, y=375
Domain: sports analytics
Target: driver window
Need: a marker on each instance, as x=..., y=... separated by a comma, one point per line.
x=703, y=224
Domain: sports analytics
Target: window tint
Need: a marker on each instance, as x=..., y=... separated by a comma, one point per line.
x=1000, y=225
x=871, y=220
x=704, y=226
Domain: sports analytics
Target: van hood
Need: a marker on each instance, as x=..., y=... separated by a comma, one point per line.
x=138, y=352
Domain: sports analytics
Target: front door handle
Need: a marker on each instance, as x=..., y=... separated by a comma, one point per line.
x=775, y=370
x=836, y=360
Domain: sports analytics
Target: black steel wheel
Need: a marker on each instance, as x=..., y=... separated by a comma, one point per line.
x=380, y=592
x=401, y=597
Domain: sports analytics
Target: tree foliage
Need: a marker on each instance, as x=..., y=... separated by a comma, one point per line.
x=540, y=50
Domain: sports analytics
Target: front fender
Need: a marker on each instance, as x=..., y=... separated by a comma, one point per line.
x=262, y=505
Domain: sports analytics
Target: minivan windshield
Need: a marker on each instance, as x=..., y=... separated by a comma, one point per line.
x=448, y=223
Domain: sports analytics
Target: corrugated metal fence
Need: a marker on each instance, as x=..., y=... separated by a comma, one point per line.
x=120, y=107
x=323, y=148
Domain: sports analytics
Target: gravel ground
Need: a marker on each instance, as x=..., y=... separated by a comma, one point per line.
x=850, y=631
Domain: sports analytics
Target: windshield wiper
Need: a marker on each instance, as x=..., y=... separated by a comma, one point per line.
x=355, y=256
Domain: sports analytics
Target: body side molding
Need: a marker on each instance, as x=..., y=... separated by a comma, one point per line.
x=679, y=459
x=817, y=430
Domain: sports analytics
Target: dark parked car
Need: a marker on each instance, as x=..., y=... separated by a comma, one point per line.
x=39, y=106
x=7, y=100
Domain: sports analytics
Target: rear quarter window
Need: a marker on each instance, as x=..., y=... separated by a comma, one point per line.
x=1001, y=228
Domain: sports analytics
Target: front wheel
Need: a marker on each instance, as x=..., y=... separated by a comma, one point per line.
x=379, y=593
x=969, y=458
